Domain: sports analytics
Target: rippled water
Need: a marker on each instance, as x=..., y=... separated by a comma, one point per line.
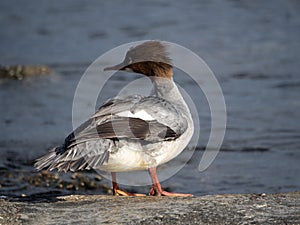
x=252, y=47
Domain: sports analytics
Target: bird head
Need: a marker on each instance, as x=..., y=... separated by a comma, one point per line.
x=149, y=58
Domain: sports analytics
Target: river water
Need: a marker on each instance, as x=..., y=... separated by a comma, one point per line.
x=251, y=46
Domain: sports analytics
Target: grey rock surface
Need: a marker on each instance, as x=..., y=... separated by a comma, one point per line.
x=282, y=208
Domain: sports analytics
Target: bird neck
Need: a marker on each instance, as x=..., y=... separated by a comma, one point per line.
x=166, y=88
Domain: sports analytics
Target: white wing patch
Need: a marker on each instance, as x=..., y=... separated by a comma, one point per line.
x=142, y=114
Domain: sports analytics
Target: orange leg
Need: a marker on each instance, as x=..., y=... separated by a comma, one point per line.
x=117, y=191
x=156, y=189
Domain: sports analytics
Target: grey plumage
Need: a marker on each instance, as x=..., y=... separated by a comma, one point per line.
x=90, y=144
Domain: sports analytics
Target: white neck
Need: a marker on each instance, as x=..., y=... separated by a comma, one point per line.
x=167, y=89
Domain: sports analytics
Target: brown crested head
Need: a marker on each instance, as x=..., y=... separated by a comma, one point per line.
x=150, y=58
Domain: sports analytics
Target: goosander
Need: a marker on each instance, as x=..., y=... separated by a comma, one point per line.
x=134, y=132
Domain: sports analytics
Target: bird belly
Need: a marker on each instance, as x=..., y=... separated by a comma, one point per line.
x=125, y=160
x=128, y=157
x=169, y=150
x=134, y=156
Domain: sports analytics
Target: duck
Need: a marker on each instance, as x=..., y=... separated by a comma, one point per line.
x=134, y=132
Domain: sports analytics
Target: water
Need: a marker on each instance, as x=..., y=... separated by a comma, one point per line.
x=252, y=46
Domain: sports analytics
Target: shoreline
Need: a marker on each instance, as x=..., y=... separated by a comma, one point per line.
x=280, y=208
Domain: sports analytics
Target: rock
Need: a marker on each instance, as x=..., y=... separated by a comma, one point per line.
x=20, y=72
x=9, y=213
x=282, y=208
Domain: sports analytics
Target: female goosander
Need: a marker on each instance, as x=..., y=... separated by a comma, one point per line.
x=134, y=132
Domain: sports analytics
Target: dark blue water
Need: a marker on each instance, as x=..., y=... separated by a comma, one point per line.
x=252, y=47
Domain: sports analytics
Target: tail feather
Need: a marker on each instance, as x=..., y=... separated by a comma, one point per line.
x=46, y=160
x=70, y=160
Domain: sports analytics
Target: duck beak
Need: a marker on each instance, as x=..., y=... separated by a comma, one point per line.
x=120, y=66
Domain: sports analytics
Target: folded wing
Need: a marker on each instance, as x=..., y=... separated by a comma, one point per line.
x=147, y=119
